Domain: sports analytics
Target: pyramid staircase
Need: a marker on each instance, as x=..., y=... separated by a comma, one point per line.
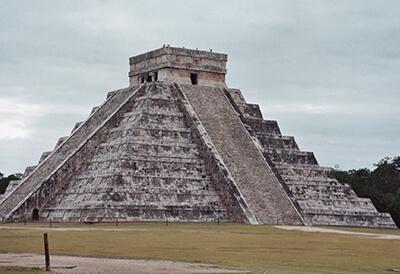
x=261, y=189
x=318, y=196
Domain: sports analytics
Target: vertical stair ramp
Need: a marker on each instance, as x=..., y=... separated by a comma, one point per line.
x=258, y=184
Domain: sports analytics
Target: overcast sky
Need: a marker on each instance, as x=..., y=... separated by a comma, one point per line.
x=328, y=71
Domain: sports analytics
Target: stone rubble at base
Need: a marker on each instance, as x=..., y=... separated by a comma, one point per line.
x=178, y=144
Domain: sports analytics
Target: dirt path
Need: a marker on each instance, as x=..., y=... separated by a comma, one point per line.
x=86, y=265
x=337, y=231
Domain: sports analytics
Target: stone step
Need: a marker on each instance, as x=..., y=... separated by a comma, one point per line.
x=148, y=158
x=331, y=204
x=322, y=188
x=161, y=151
x=314, y=195
x=171, y=121
x=123, y=172
x=44, y=156
x=60, y=141
x=111, y=93
x=151, y=154
x=276, y=141
x=302, y=167
x=152, y=134
x=185, y=175
x=150, y=127
x=338, y=212
x=263, y=127
x=167, y=189
x=146, y=142
x=127, y=180
x=151, y=112
x=290, y=156
x=156, y=104
x=150, y=168
x=138, y=157
x=155, y=206
x=252, y=111
x=28, y=170
x=138, y=199
x=303, y=170
x=166, y=98
x=76, y=126
x=304, y=180
x=136, y=213
x=94, y=109
x=379, y=220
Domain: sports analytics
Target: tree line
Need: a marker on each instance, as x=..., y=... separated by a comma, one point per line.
x=381, y=185
x=5, y=180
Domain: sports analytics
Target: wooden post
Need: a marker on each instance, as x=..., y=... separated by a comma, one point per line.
x=218, y=221
x=46, y=251
x=51, y=224
x=116, y=222
x=166, y=222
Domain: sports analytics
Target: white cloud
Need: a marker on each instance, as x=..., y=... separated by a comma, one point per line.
x=304, y=108
x=318, y=67
x=16, y=117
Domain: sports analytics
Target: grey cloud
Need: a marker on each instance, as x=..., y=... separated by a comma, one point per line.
x=326, y=70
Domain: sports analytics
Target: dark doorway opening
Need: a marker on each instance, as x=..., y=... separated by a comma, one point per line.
x=193, y=78
x=155, y=76
x=148, y=78
x=35, y=214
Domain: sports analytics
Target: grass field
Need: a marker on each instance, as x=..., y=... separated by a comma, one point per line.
x=256, y=248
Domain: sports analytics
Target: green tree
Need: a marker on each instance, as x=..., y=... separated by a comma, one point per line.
x=382, y=185
x=4, y=181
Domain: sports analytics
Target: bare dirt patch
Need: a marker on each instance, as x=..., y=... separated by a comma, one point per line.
x=72, y=264
x=344, y=232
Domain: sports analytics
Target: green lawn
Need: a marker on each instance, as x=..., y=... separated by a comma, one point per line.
x=257, y=248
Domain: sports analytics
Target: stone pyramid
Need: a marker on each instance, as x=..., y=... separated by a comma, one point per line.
x=178, y=144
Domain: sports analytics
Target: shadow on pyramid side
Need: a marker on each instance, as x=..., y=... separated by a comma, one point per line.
x=178, y=144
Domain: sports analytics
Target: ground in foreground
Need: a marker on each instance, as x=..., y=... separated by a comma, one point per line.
x=255, y=248
x=20, y=270
x=89, y=265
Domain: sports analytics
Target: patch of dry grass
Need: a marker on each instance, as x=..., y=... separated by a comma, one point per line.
x=20, y=270
x=257, y=248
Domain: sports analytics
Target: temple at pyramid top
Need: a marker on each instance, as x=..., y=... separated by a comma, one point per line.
x=186, y=66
